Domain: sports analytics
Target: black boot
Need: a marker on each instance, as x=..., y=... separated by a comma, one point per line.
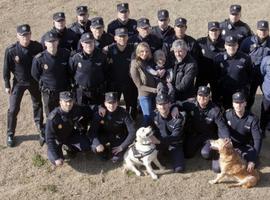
x=10, y=140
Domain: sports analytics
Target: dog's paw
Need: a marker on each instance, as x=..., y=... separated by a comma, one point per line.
x=154, y=176
x=138, y=173
x=212, y=182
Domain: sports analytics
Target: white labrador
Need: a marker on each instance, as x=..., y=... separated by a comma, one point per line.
x=143, y=152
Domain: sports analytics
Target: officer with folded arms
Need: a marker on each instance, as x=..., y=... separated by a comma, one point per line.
x=50, y=69
x=245, y=132
x=18, y=61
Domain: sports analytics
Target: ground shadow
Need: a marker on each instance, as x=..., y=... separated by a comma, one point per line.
x=23, y=138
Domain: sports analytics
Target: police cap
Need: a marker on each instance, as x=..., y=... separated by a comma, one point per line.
x=231, y=40
x=111, y=97
x=122, y=7
x=163, y=14
x=180, y=22
x=213, y=26
x=203, y=91
x=23, y=29
x=121, y=32
x=66, y=96
x=81, y=10
x=86, y=38
x=162, y=98
x=50, y=36
x=238, y=97
x=59, y=16
x=143, y=23
x=235, y=9
x=262, y=25
x=97, y=22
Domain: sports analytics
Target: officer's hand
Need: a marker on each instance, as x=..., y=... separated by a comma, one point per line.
x=101, y=111
x=59, y=162
x=250, y=167
x=117, y=150
x=100, y=148
x=175, y=113
x=161, y=72
x=8, y=90
x=154, y=140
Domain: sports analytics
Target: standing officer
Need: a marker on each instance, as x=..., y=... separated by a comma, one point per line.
x=123, y=21
x=184, y=71
x=163, y=30
x=63, y=128
x=102, y=38
x=89, y=71
x=169, y=132
x=67, y=38
x=112, y=133
x=205, y=121
x=244, y=130
x=257, y=46
x=209, y=46
x=234, y=72
x=180, y=28
x=82, y=25
x=18, y=61
x=50, y=70
x=234, y=26
x=145, y=35
x=119, y=56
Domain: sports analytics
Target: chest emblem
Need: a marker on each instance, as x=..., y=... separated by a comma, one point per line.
x=17, y=59
x=45, y=66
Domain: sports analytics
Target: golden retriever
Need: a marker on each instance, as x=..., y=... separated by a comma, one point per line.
x=231, y=164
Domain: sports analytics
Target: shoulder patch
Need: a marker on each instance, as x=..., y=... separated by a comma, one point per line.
x=38, y=55
x=11, y=46
x=228, y=110
x=52, y=114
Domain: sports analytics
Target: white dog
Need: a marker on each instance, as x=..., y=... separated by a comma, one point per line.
x=143, y=152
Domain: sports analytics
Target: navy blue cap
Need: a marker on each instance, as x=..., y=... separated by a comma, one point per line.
x=97, y=22
x=50, y=36
x=162, y=98
x=122, y=7
x=262, y=25
x=86, y=37
x=180, y=22
x=235, y=9
x=81, y=10
x=23, y=29
x=203, y=91
x=213, y=26
x=231, y=40
x=163, y=14
x=238, y=97
x=59, y=16
x=111, y=96
x=66, y=96
x=143, y=23
x=121, y=32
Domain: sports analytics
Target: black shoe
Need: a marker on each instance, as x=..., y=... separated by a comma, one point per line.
x=69, y=152
x=41, y=140
x=10, y=141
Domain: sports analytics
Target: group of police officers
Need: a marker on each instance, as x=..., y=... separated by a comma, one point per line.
x=78, y=75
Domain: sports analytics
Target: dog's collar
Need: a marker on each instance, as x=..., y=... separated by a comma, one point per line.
x=140, y=155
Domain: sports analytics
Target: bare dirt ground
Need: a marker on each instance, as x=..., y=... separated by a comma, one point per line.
x=25, y=175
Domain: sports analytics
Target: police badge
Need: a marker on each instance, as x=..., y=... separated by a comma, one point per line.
x=17, y=59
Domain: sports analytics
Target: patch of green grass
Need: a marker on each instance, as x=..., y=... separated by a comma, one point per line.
x=38, y=160
x=130, y=173
x=2, y=147
x=50, y=187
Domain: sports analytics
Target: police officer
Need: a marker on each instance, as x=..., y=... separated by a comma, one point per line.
x=67, y=38
x=234, y=72
x=257, y=46
x=18, y=61
x=234, y=26
x=169, y=132
x=244, y=130
x=184, y=71
x=50, y=69
x=82, y=25
x=180, y=28
x=89, y=71
x=119, y=56
x=204, y=122
x=145, y=35
x=63, y=128
x=112, y=133
x=123, y=21
x=209, y=46
x=163, y=30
